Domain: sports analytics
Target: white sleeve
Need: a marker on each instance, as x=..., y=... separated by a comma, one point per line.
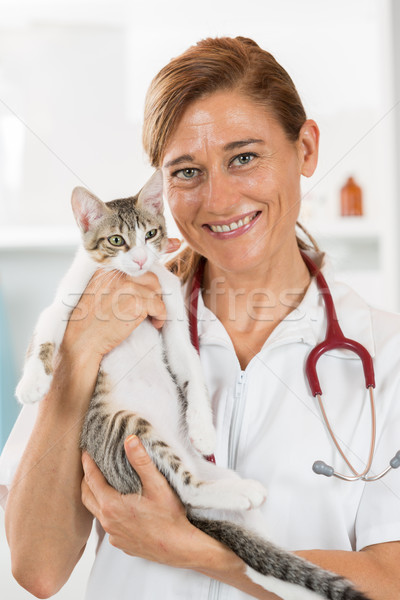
x=14, y=448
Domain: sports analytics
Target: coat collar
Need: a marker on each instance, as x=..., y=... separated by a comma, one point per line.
x=307, y=322
x=309, y=318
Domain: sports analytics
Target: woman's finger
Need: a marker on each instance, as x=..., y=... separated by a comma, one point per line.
x=94, y=478
x=173, y=244
x=154, y=484
x=89, y=500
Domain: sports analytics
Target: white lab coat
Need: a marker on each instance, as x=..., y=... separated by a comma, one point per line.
x=270, y=428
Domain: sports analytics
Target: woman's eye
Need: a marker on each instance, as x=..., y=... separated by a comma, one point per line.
x=243, y=159
x=186, y=173
x=116, y=240
x=150, y=234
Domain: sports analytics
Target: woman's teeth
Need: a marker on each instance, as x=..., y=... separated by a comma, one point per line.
x=233, y=225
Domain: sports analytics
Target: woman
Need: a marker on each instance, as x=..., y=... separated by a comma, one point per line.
x=226, y=126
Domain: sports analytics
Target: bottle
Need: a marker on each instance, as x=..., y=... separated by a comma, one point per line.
x=351, y=199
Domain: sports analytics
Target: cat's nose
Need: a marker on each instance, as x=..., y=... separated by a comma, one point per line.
x=139, y=261
x=139, y=256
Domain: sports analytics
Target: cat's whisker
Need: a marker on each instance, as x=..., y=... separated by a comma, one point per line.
x=116, y=274
x=101, y=273
x=108, y=275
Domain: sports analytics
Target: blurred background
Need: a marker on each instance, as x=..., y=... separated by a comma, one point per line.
x=73, y=77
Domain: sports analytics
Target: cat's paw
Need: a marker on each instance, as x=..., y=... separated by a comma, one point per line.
x=247, y=494
x=33, y=386
x=201, y=430
x=229, y=494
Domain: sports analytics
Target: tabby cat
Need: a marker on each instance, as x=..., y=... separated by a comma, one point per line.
x=153, y=370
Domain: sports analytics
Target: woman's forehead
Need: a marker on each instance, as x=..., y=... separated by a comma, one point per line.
x=221, y=119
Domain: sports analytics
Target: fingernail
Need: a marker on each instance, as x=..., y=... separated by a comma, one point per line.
x=132, y=441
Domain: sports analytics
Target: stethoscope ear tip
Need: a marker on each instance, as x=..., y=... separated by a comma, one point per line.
x=321, y=468
x=395, y=462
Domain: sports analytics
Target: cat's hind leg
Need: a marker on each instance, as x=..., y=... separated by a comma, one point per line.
x=215, y=488
x=103, y=436
x=185, y=365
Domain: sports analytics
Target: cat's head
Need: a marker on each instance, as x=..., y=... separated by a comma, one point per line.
x=128, y=234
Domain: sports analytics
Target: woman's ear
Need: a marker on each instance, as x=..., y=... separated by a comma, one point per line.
x=308, y=147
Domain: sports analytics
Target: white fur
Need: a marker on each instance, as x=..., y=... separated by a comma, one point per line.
x=141, y=382
x=283, y=589
x=51, y=326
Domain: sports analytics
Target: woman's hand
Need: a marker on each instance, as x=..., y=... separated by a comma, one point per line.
x=152, y=525
x=111, y=307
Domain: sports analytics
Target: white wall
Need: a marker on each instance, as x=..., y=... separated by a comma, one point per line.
x=79, y=87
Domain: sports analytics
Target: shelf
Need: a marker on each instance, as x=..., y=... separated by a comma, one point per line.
x=345, y=228
x=31, y=238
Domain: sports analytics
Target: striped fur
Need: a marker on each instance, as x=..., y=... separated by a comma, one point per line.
x=270, y=561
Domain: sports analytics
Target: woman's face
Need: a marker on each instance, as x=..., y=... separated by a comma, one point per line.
x=232, y=180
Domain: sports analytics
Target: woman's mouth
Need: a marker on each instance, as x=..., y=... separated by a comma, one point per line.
x=230, y=229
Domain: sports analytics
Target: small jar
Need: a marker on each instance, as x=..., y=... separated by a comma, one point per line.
x=351, y=199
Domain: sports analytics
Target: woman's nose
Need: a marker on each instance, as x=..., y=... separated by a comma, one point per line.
x=220, y=193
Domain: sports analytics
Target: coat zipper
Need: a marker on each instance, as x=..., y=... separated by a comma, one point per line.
x=236, y=422
x=233, y=443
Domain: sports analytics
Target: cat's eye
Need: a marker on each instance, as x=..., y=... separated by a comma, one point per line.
x=116, y=240
x=151, y=233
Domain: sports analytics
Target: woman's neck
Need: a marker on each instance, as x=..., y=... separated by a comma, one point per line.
x=248, y=300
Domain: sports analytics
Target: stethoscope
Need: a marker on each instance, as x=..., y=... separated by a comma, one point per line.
x=334, y=339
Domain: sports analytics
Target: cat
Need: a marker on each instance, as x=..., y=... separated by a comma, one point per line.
x=150, y=371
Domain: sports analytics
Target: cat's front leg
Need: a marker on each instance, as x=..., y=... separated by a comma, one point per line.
x=49, y=332
x=39, y=364
x=184, y=362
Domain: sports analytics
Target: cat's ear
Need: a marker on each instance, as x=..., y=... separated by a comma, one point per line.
x=87, y=208
x=151, y=195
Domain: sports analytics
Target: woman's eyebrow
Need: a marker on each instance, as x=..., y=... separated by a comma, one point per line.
x=180, y=159
x=240, y=143
x=227, y=147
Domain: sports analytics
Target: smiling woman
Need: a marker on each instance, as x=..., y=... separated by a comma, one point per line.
x=234, y=208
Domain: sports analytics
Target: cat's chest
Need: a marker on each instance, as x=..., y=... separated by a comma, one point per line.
x=137, y=373
x=141, y=351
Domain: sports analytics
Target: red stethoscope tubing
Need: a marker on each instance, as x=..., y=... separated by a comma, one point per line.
x=334, y=339
x=193, y=304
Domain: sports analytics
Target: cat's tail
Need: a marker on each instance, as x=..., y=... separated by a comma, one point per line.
x=266, y=560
